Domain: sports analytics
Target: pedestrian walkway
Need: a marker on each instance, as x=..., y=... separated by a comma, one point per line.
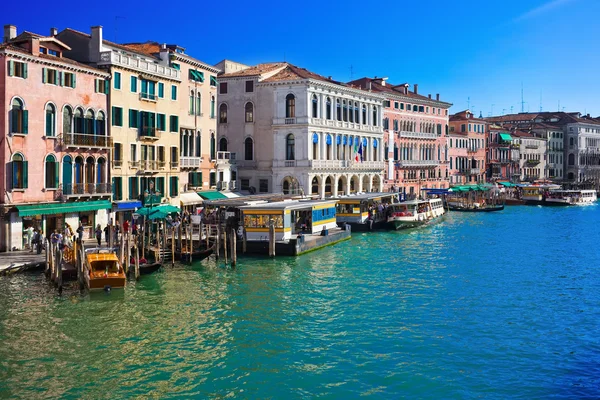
x=14, y=261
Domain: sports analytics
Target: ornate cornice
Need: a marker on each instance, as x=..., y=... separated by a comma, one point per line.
x=63, y=65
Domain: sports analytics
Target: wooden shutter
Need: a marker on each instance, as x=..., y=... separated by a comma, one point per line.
x=25, y=122
x=11, y=68
x=44, y=75
x=25, y=174
x=106, y=88
x=61, y=80
x=74, y=81
x=55, y=174
x=11, y=171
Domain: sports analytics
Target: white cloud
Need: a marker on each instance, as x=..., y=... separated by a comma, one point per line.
x=550, y=5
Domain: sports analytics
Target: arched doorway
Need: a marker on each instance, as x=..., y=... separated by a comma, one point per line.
x=366, y=184
x=341, y=185
x=354, y=184
x=78, y=186
x=314, y=186
x=328, y=186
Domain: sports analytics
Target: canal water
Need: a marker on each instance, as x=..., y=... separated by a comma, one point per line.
x=495, y=305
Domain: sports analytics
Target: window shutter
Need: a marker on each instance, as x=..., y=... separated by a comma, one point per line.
x=25, y=121
x=11, y=68
x=11, y=170
x=114, y=188
x=25, y=174
x=133, y=84
x=161, y=90
x=73, y=81
x=106, y=88
x=25, y=70
x=44, y=75
x=55, y=174
x=61, y=78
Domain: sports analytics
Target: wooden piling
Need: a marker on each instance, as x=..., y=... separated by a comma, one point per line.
x=81, y=267
x=244, y=240
x=173, y=247
x=233, y=247
x=225, y=244
x=218, y=248
x=47, y=269
x=271, y=239
x=127, y=248
x=137, y=262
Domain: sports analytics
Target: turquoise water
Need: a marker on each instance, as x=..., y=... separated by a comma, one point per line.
x=495, y=305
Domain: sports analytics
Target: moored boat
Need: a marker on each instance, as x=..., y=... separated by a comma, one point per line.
x=365, y=212
x=475, y=198
x=103, y=270
x=194, y=255
x=536, y=194
x=559, y=197
x=414, y=213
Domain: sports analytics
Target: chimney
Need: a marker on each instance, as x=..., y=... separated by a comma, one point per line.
x=416, y=90
x=53, y=32
x=429, y=95
x=370, y=86
x=10, y=32
x=96, y=43
x=437, y=97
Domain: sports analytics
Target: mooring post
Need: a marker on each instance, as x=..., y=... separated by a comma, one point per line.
x=218, y=241
x=137, y=262
x=173, y=247
x=233, y=247
x=271, y=238
x=244, y=240
x=225, y=244
x=127, y=244
x=47, y=269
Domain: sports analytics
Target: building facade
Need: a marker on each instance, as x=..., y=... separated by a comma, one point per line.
x=144, y=94
x=467, y=148
x=415, y=137
x=502, y=156
x=532, y=155
x=56, y=145
x=284, y=129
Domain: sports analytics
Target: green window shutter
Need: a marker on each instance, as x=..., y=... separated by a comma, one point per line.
x=61, y=78
x=133, y=84
x=74, y=81
x=25, y=70
x=55, y=175
x=213, y=80
x=25, y=174
x=25, y=121
x=200, y=76
x=192, y=75
x=200, y=179
x=106, y=86
x=117, y=80
x=11, y=68
x=11, y=170
x=176, y=118
x=161, y=90
x=114, y=188
x=173, y=92
x=44, y=75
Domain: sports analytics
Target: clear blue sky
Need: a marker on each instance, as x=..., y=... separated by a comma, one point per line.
x=469, y=48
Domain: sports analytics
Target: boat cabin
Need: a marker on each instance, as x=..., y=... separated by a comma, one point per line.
x=537, y=193
x=355, y=209
x=290, y=217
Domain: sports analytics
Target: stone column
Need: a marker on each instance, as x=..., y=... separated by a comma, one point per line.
x=334, y=189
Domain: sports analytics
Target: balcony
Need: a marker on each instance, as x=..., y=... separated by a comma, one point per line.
x=117, y=163
x=472, y=149
x=330, y=123
x=232, y=185
x=161, y=164
x=81, y=140
x=190, y=162
x=474, y=171
x=338, y=164
x=149, y=97
x=148, y=165
x=174, y=164
x=138, y=64
x=532, y=146
x=134, y=164
x=149, y=133
x=222, y=185
x=418, y=163
x=532, y=163
x=417, y=135
x=225, y=157
x=86, y=189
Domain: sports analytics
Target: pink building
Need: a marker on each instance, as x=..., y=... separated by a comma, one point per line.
x=415, y=128
x=502, y=156
x=54, y=140
x=466, y=146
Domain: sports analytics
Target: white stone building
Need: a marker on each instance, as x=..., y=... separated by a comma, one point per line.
x=532, y=158
x=282, y=128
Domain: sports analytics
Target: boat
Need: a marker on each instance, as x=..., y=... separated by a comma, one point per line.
x=536, y=194
x=413, y=213
x=476, y=208
x=196, y=255
x=475, y=198
x=103, y=270
x=364, y=212
x=560, y=197
x=511, y=201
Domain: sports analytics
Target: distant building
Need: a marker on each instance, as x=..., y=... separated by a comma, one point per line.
x=532, y=151
x=282, y=128
x=415, y=136
x=55, y=144
x=467, y=148
x=502, y=156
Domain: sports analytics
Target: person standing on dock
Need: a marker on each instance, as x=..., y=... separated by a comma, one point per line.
x=39, y=242
x=99, y=235
x=28, y=238
x=80, y=232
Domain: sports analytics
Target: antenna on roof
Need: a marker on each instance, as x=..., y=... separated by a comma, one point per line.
x=522, y=101
x=540, y=101
x=503, y=111
x=511, y=109
x=468, y=103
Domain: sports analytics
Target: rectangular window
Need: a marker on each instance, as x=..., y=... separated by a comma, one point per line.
x=68, y=79
x=133, y=152
x=386, y=103
x=173, y=92
x=117, y=154
x=101, y=86
x=195, y=179
x=134, y=188
x=161, y=122
x=245, y=184
x=212, y=179
x=396, y=105
x=134, y=117
x=117, y=183
x=263, y=185
x=161, y=153
x=50, y=76
x=18, y=69
x=223, y=88
x=174, y=186
x=463, y=128
x=196, y=76
x=161, y=90
x=249, y=86
x=117, y=80
x=173, y=123
x=148, y=90
x=213, y=81
x=174, y=157
x=402, y=106
x=133, y=84
x=117, y=116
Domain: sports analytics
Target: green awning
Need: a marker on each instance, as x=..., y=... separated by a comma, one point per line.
x=213, y=80
x=62, y=208
x=506, y=137
x=159, y=212
x=507, y=184
x=212, y=195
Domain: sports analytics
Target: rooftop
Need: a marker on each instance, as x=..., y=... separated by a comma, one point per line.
x=380, y=85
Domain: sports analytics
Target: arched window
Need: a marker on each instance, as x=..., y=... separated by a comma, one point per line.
x=100, y=124
x=286, y=187
x=315, y=106
x=90, y=169
x=314, y=186
x=51, y=172
x=78, y=120
x=213, y=146
x=223, y=113
x=192, y=97
x=290, y=153
x=290, y=106
x=328, y=186
x=345, y=111
x=18, y=117
x=212, y=106
x=356, y=113
x=101, y=178
x=374, y=116
x=338, y=110
x=328, y=108
x=67, y=120
x=248, y=149
x=571, y=158
x=364, y=115
x=50, y=120
x=198, y=144
x=19, y=172
x=198, y=104
x=89, y=122
x=222, y=144
x=571, y=142
x=249, y=112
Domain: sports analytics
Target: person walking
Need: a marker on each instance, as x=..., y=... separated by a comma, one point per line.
x=107, y=233
x=80, y=233
x=28, y=238
x=99, y=235
x=39, y=242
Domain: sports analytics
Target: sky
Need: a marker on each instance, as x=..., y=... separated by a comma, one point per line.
x=477, y=54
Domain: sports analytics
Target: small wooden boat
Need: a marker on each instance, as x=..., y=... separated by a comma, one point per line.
x=103, y=270
x=149, y=268
x=494, y=207
x=196, y=255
